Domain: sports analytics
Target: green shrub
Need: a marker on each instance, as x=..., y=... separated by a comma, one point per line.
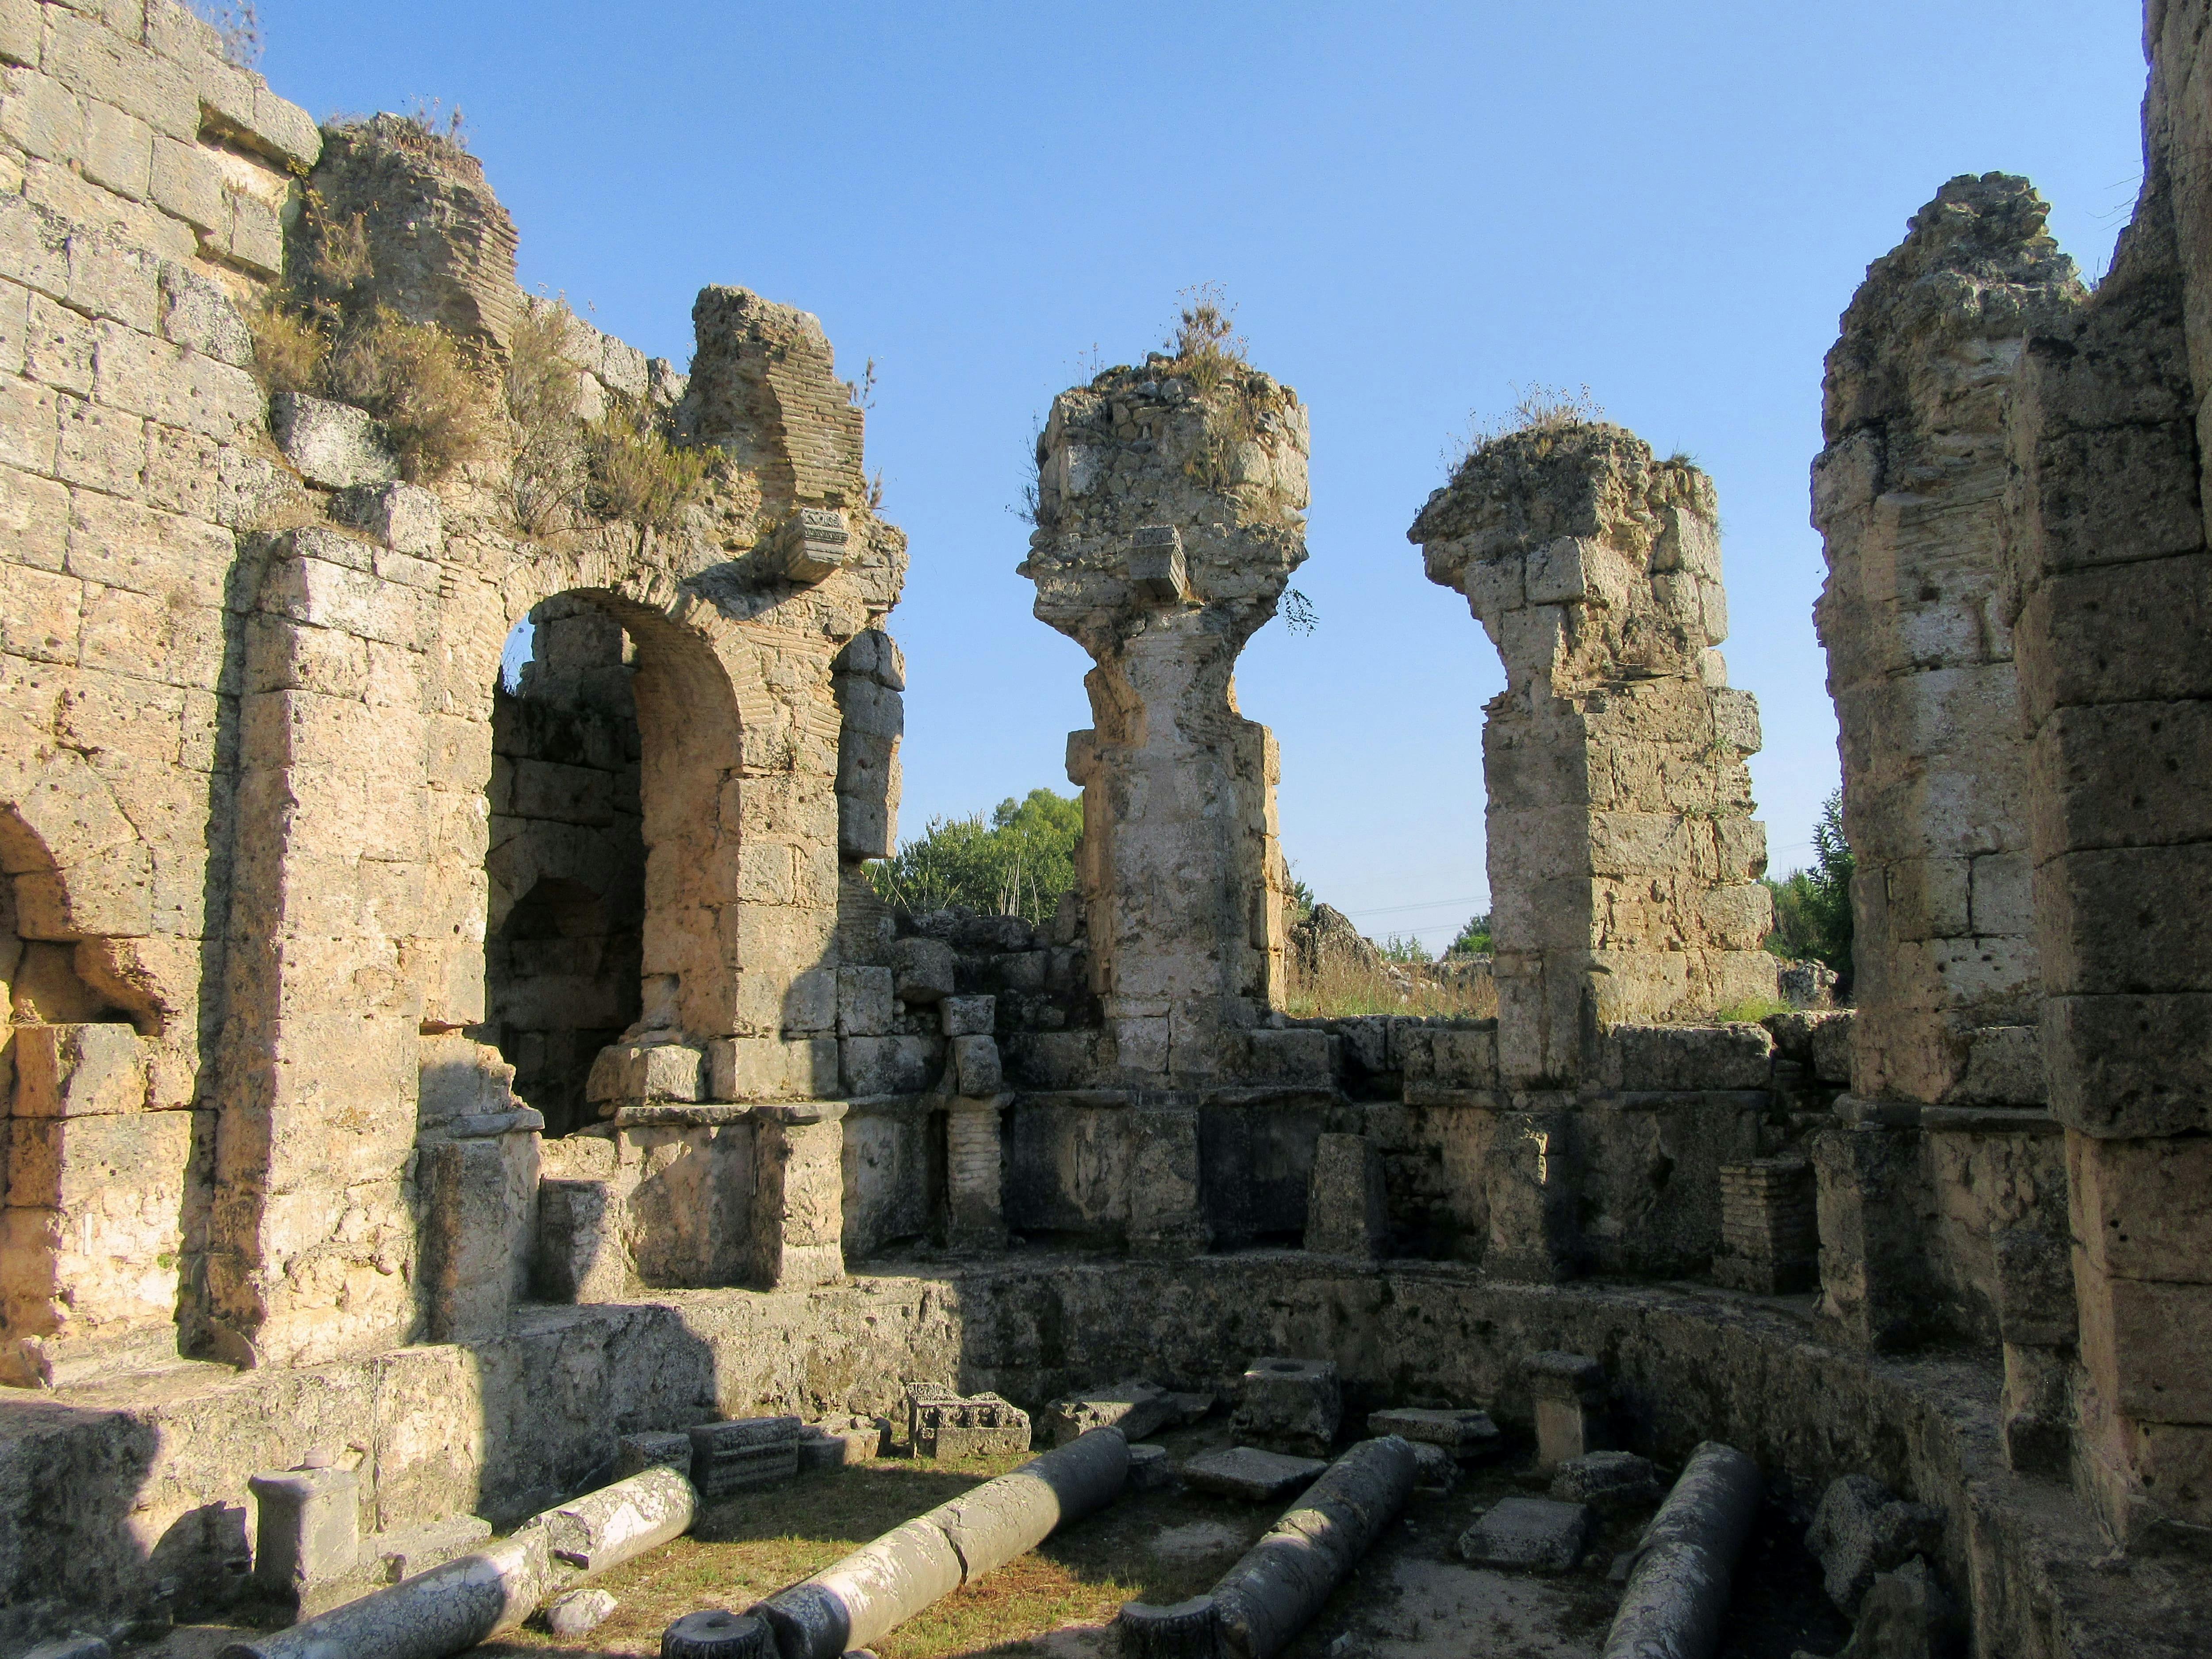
x=1813, y=908
x=636, y=472
x=1019, y=864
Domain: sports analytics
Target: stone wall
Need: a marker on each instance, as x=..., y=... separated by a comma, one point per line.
x=2111, y=587
x=1623, y=855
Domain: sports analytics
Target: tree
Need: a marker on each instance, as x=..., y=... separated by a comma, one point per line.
x=1813, y=908
x=1474, y=939
x=1018, y=864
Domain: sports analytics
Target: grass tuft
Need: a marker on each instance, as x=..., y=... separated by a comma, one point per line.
x=418, y=380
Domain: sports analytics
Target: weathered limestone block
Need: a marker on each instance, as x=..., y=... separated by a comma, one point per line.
x=1607, y=1481
x=1908, y=497
x=636, y=1453
x=1568, y=1393
x=1862, y=1529
x=639, y=1072
x=1256, y=1476
x=480, y=1222
x=943, y=1424
x=1136, y=1408
x=871, y=677
x=1468, y=1436
x=1289, y=1405
x=797, y=1237
x=579, y=1255
x=1624, y=861
x=1874, y=1207
x=1528, y=1534
x=921, y=970
x=974, y=1160
x=1167, y=1215
x=306, y=1530
x=332, y=444
x=1169, y=521
x=977, y=1066
x=746, y=1451
x=1347, y=1211
x=78, y=1071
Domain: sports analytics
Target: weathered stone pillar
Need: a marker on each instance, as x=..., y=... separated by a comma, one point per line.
x=2112, y=580
x=798, y=1196
x=1168, y=523
x=1624, y=859
x=974, y=1159
x=1909, y=498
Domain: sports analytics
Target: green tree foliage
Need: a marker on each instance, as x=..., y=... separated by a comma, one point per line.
x=1474, y=939
x=1017, y=864
x=1405, y=948
x=1813, y=908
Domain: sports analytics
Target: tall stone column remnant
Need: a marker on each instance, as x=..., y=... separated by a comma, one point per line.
x=1624, y=860
x=1169, y=521
x=1909, y=498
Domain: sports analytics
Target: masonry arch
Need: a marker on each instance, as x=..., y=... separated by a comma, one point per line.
x=612, y=873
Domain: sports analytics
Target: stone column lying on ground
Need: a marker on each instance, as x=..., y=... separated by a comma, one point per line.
x=1169, y=519
x=1271, y=1594
x=447, y=1610
x=603, y=1529
x=1678, y=1591
x=878, y=1587
x=1624, y=859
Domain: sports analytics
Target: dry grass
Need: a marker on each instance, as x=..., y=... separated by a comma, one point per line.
x=546, y=483
x=636, y=472
x=1340, y=986
x=288, y=350
x=1536, y=408
x=418, y=380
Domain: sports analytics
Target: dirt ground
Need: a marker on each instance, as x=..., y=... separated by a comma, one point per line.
x=1411, y=1598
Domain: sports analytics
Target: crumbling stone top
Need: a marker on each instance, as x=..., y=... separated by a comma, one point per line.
x=1525, y=489
x=1977, y=265
x=1172, y=488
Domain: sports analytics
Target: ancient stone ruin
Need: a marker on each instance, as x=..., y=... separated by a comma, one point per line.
x=467, y=1105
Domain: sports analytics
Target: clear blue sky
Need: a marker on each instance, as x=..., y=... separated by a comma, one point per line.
x=1417, y=208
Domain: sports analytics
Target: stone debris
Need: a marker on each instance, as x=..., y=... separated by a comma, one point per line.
x=447, y=1610
x=1190, y=1408
x=1150, y=1468
x=835, y=1441
x=1678, y=1588
x=1275, y=1588
x=636, y=1453
x=1249, y=1473
x=943, y=1424
x=1533, y=1534
x=1136, y=1408
x=716, y=1633
x=878, y=1587
x=1435, y=1469
x=1468, y=1435
x=1289, y=1405
x=1904, y=1615
x=1606, y=1481
x=743, y=1453
x=1862, y=1529
x=1568, y=1390
x=603, y=1529
x=310, y=1554
x=578, y=1611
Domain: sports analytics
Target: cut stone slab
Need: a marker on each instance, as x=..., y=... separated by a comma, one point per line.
x=636, y=1453
x=1607, y=1480
x=1568, y=1391
x=1247, y=1472
x=1190, y=1408
x=402, y=1554
x=748, y=1451
x=1289, y=1405
x=1468, y=1436
x=835, y=1441
x=943, y=1424
x=1534, y=1535
x=579, y=1611
x=1136, y=1408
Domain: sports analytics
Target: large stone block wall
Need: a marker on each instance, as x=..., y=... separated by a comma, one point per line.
x=2110, y=584
x=1624, y=859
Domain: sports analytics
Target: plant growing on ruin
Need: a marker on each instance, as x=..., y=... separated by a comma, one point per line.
x=237, y=26
x=419, y=382
x=637, y=472
x=546, y=475
x=1535, y=408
